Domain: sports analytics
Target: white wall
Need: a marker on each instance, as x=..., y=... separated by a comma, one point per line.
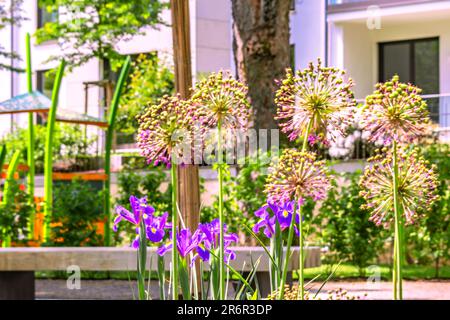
x=361, y=49
x=308, y=31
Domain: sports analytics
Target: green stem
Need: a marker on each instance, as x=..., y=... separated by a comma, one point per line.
x=398, y=238
x=30, y=154
x=301, y=278
x=8, y=196
x=48, y=160
x=291, y=231
x=108, y=146
x=287, y=256
x=142, y=261
x=221, y=241
x=173, y=174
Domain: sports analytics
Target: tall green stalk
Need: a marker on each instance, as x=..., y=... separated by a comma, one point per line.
x=2, y=159
x=142, y=261
x=8, y=195
x=48, y=159
x=291, y=234
x=173, y=175
x=398, y=294
x=30, y=154
x=288, y=254
x=221, y=232
x=108, y=146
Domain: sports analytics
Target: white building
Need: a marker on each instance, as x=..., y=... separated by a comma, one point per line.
x=372, y=40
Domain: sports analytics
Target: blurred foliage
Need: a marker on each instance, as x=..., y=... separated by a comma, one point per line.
x=429, y=241
x=345, y=229
x=77, y=207
x=69, y=143
x=89, y=29
x=149, y=81
x=14, y=215
x=11, y=12
x=148, y=183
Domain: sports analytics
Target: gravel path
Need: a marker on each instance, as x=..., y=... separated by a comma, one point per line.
x=120, y=290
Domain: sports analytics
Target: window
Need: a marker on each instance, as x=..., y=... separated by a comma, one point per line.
x=44, y=16
x=292, y=8
x=45, y=80
x=415, y=61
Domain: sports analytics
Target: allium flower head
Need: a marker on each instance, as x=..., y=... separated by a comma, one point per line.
x=417, y=187
x=221, y=97
x=318, y=94
x=164, y=129
x=297, y=176
x=395, y=111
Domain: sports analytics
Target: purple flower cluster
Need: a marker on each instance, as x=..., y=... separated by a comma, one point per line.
x=141, y=212
x=204, y=240
x=281, y=213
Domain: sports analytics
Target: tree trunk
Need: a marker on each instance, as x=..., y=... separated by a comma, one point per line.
x=261, y=52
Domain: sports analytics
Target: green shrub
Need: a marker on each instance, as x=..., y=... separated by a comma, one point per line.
x=429, y=242
x=77, y=207
x=345, y=228
x=14, y=216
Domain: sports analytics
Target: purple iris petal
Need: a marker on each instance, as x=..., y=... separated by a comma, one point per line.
x=155, y=227
x=163, y=249
x=281, y=212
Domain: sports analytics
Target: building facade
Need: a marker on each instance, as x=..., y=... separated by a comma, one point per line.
x=371, y=39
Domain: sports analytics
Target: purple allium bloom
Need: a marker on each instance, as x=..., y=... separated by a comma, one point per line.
x=417, y=187
x=185, y=244
x=207, y=238
x=282, y=213
x=395, y=111
x=222, y=97
x=166, y=130
x=318, y=94
x=297, y=176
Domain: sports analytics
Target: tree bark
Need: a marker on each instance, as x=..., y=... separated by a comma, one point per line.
x=261, y=52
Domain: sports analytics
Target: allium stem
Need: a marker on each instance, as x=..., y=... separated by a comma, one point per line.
x=173, y=174
x=398, y=239
x=221, y=241
x=288, y=254
x=301, y=278
x=291, y=234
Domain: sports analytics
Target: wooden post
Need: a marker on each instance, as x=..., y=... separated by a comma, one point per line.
x=188, y=181
x=188, y=189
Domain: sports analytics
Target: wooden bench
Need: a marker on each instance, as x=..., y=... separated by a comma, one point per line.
x=17, y=265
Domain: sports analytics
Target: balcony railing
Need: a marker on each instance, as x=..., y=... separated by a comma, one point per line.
x=335, y=6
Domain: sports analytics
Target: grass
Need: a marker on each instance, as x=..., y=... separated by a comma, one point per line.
x=410, y=272
x=344, y=272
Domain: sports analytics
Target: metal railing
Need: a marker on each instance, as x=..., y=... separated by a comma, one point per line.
x=335, y=6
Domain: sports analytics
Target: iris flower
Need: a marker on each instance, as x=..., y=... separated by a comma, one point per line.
x=395, y=111
x=281, y=213
x=317, y=95
x=155, y=227
x=417, y=187
x=185, y=244
x=207, y=238
x=142, y=212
